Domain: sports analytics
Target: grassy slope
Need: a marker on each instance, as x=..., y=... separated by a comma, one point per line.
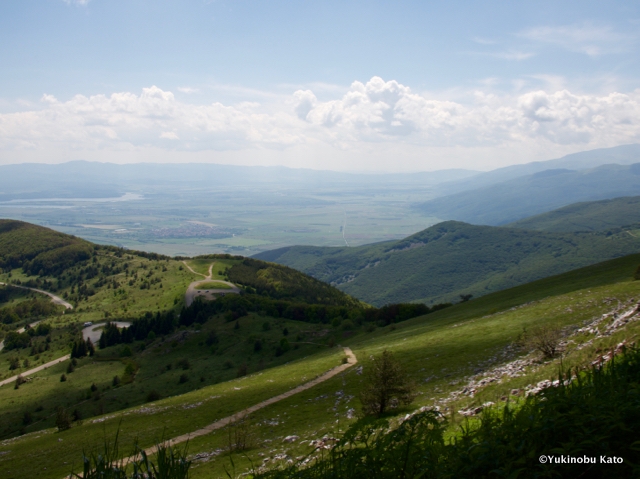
x=452, y=258
x=439, y=351
x=587, y=216
x=125, y=285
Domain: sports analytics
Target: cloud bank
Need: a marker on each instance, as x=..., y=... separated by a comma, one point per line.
x=376, y=116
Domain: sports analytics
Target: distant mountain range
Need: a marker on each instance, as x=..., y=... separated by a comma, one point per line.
x=518, y=198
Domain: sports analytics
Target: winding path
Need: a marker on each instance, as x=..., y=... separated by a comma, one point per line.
x=55, y=299
x=351, y=360
x=193, y=291
x=89, y=332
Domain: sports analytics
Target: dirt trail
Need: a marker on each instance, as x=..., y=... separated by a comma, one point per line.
x=351, y=360
x=87, y=332
x=55, y=299
x=193, y=291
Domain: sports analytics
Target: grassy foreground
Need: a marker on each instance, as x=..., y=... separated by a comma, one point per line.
x=442, y=352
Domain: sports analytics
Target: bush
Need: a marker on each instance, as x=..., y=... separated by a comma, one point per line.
x=183, y=378
x=63, y=378
x=183, y=363
x=544, y=339
x=386, y=386
x=63, y=420
x=153, y=396
x=116, y=381
x=242, y=370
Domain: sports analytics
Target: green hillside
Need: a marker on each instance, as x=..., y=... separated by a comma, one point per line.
x=168, y=349
x=39, y=250
x=448, y=353
x=587, y=216
x=452, y=258
x=519, y=198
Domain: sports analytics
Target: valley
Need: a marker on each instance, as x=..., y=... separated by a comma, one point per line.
x=258, y=365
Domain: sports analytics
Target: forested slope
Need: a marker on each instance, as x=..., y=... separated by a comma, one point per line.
x=452, y=258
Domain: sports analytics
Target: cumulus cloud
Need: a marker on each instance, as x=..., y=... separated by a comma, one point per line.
x=362, y=119
x=589, y=39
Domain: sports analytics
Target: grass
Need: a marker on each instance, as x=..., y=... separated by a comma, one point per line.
x=201, y=265
x=439, y=351
x=164, y=418
x=213, y=285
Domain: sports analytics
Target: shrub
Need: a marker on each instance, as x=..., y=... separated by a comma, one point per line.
x=240, y=435
x=116, y=381
x=153, y=396
x=183, y=363
x=242, y=370
x=183, y=378
x=386, y=385
x=63, y=421
x=544, y=339
x=63, y=378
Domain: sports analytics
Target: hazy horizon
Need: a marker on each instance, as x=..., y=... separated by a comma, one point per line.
x=339, y=86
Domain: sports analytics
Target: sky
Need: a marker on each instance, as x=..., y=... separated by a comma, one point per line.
x=341, y=85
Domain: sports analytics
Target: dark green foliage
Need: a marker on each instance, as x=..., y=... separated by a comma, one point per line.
x=183, y=378
x=81, y=348
x=27, y=418
x=212, y=338
x=63, y=420
x=283, y=347
x=63, y=378
x=153, y=396
x=452, y=258
x=242, y=370
x=386, y=386
x=184, y=364
x=29, y=310
x=596, y=414
x=636, y=276
x=281, y=282
x=34, y=247
x=15, y=340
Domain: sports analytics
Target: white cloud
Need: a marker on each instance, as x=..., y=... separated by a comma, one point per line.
x=589, y=39
x=375, y=119
x=188, y=90
x=169, y=135
x=76, y=2
x=514, y=55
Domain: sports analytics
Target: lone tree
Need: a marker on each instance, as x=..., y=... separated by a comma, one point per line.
x=386, y=386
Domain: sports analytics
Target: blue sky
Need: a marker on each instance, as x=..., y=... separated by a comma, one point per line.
x=375, y=86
